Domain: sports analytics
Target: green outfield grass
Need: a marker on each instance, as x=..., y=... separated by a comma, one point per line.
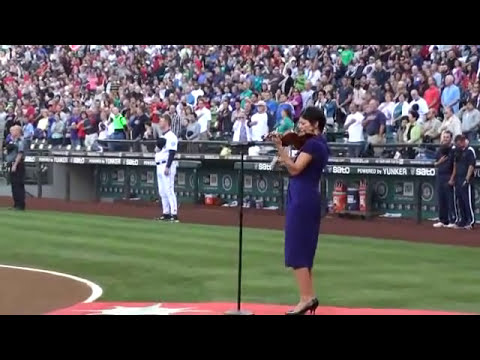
x=141, y=260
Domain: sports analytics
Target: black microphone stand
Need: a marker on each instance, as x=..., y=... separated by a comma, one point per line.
x=243, y=147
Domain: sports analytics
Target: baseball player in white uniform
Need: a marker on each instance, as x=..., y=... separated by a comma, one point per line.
x=166, y=169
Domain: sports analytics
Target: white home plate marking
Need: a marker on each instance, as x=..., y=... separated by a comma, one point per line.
x=156, y=309
x=96, y=290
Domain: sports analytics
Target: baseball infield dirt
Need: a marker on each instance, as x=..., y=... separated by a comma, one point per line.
x=34, y=293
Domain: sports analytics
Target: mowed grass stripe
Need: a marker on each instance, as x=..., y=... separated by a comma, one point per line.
x=151, y=233
x=117, y=241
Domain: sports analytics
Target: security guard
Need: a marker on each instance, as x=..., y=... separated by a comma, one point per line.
x=463, y=169
x=16, y=167
x=166, y=149
x=444, y=179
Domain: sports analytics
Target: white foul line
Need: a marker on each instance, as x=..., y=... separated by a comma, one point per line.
x=96, y=290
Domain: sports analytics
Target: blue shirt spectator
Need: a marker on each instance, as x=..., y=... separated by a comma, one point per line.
x=202, y=78
x=451, y=95
x=190, y=99
x=272, y=107
x=28, y=131
x=280, y=108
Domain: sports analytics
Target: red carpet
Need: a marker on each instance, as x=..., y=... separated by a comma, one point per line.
x=220, y=308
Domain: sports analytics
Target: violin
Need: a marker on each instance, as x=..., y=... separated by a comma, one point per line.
x=291, y=139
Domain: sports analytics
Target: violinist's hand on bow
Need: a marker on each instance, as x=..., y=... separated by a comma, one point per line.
x=276, y=139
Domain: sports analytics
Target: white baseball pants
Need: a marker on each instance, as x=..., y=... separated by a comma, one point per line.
x=166, y=188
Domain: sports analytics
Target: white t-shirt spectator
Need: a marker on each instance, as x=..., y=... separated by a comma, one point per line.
x=387, y=109
x=306, y=97
x=103, y=135
x=261, y=128
x=422, y=107
x=110, y=129
x=313, y=76
x=355, y=130
x=196, y=94
x=43, y=124
x=204, y=116
x=405, y=108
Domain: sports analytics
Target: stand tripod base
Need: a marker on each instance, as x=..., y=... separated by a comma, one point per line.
x=239, y=312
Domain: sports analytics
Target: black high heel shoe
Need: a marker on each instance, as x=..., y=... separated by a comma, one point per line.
x=311, y=307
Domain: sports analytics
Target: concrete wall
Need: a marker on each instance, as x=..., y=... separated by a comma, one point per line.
x=82, y=184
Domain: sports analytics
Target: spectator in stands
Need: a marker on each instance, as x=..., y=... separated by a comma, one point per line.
x=330, y=108
x=387, y=107
x=474, y=95
x=283, y=104
x=241, y=132
x=246, y=93
x=432, y=95
x=344, y=98
x=379, y=74
x=307, y=96
x=404, y=120
x=259, y=122
x=358, y=93
x=374, y=124
x=119, y=124
x=296, y=102
x=451, y=96
x=138, y=126
x=401, y=109
x=422, y=105
x=224, y=116
x=204, y=118
x=155, y=107
x=81, y=127
x=176, y=121
x=354, y=127
x=286, y=124
x=72, y=133
x=470, y=119
x=57, y=131
x=413, y=132
x=42, y=124
x=286, y=85
x=431, y=128
x=451, y=123
x=193, y=128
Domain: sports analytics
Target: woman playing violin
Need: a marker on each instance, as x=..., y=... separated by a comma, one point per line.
x=303, y=210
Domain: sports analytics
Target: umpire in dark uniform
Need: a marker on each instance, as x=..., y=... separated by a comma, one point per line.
x=16, y=167
x=445, y=181
x=464, y=171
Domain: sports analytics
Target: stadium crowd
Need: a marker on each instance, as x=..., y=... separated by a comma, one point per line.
x=374, y=93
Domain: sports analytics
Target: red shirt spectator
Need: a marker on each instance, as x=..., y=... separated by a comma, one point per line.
x=8, y=79
x=432, y=95
x=28, y=110
x=198, y=64
x=153, y=113
x=245, y=49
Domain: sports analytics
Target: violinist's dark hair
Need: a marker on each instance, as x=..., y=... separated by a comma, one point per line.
x=314, y=115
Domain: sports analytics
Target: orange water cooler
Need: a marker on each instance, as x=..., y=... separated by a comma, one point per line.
x=363, y=196
x=339, y=197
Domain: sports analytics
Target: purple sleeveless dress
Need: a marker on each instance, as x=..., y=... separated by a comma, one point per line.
x=303, y=208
